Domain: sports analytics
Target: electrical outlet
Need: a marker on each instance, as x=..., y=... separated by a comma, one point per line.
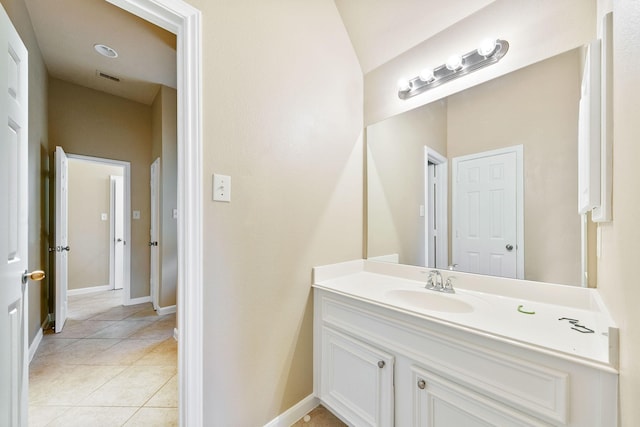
x=136, y=214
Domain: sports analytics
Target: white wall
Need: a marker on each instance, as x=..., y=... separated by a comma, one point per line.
x=617, y=267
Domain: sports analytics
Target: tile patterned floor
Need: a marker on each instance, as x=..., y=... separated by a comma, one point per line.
x=320, y=417
x=110, y=366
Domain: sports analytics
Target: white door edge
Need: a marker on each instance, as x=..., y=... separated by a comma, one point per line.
x=441, y=162
x=184, y=20
x=116, y=209
x=519, y=151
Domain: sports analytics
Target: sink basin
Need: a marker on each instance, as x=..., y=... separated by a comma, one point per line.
x=429, y=300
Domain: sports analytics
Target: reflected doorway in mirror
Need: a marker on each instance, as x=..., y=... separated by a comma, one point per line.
x=487, y=211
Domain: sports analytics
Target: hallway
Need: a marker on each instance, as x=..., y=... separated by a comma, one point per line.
x=111, y=366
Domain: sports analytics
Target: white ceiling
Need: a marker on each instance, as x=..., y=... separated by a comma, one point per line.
x=67, y=30
x=382, y=29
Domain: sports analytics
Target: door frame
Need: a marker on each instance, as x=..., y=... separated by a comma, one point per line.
x=519, y=151
x=154, y=234
x=442, y=233
x=126, y=286
x=113, y=206
x=184, y=20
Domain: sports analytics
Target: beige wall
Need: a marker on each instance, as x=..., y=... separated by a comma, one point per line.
x=38, y=166
x=618, y=264
x=536, y=107
x=89, y=236
x=292, y=142
x=87, y=122
x=164, y=145
x=395, y=180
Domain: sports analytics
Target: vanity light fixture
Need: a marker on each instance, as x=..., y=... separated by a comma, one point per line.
x=489, y=52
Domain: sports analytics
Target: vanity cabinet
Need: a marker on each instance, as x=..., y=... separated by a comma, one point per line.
x=375, y=365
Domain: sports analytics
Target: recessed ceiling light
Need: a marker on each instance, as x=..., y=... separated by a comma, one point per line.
x=105, y=50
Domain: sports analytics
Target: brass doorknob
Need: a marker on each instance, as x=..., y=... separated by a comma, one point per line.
x=36, y=276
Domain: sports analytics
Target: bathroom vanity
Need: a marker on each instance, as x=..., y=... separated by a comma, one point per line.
x=500, y=352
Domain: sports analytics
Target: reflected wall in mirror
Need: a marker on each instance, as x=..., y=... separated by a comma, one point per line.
x=536, y=108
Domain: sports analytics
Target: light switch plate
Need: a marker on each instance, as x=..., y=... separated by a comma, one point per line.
x=175, y=214
x=221, y=188
x=136, y=214
x=103, y=216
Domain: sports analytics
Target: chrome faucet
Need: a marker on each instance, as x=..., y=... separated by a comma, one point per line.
x=438, y=284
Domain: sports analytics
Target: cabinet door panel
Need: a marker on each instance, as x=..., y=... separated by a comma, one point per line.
x=357, y=380
x=439, y=402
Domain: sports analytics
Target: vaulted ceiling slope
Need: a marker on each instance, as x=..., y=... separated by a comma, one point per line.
x=380, y=30
x=67, y=30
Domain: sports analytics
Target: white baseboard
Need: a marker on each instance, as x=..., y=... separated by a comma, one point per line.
x=293, y=414
x=134, y=301
x=33, y=348
x=92, y=289
x=166, y=310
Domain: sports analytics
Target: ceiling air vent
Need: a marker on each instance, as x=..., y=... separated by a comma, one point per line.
x=107, y=76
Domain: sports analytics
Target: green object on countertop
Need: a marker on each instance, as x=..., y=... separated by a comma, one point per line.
x=524, y=311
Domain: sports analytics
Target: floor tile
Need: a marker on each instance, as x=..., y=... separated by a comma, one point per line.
x=41, y=416
x=71, y=386
x=164, y=354
x=320, y=417
x=121, y=329
x=133, y=387
x=154, y=417
x=167, y=396
x=94, y=417
x=107, y=363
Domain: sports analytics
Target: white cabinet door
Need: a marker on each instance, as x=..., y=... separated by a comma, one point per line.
x=356, y=380
x=438, y=402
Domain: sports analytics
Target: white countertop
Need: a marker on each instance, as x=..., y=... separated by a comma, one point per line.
x=486, y=310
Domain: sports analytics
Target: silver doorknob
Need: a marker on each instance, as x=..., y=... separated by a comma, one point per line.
x=422, y=384
x=509, y=247
x=381, y=364
x=153, y=243
x=36, y=276
x=66, y=248
x=118, y=240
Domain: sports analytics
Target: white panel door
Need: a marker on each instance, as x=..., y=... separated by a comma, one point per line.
x=485, y=214
x=117, y=213
x=154, y=233
x=13, y=226
x=61, y=236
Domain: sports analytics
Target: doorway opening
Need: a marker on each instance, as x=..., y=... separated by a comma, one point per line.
x=99, y=229
x=435, y=210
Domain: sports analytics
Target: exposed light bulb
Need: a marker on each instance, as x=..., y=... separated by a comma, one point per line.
x=404, y=85
x=454, y=62
x=487, y=47
x=426, y=75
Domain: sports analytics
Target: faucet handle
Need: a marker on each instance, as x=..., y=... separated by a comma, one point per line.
x=452, y=267
x=448, y=286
